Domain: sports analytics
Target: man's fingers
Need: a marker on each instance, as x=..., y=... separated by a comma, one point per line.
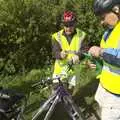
x=93, y=66
x=63, y=54
x=75, y=59
x=95, y=51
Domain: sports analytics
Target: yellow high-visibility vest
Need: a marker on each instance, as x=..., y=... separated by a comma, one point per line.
x=110, y=76
x=74, y=46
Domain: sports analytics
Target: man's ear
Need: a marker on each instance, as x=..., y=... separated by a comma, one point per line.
x=116, y=9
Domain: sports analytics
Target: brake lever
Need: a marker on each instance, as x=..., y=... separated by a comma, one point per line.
x=43, y=82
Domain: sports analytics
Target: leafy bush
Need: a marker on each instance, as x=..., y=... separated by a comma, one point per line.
x=25, y=38
x=26, y=27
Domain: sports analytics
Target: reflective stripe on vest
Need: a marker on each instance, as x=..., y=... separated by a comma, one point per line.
x=73, y=46
x=58, y=38
x=114, y=71
x=110, y=76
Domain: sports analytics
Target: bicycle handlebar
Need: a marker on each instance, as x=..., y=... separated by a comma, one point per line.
x=48, y=81
x=70, y=64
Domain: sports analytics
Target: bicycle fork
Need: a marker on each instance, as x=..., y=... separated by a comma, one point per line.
x=72, y=109
x=52, y=100
x=50, y=111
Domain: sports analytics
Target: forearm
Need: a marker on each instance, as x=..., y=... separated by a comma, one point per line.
x=83, y=49
x=111, y=56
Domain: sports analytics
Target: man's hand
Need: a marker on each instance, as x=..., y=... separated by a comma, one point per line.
x=91, y=65
x=95, y=51
x=75, y=59
x=63, y=54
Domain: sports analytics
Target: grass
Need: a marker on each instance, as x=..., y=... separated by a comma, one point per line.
x=84, y=91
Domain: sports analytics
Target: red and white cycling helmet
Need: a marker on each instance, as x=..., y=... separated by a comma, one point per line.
x=69, y=18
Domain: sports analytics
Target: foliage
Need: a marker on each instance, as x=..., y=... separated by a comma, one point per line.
x=25, y=38
x=26, y=27
x=24, y=35
x=24, y=84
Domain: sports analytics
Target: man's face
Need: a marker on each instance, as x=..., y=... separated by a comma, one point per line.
x=69, y=27
x=69, y=30
x=109, y=19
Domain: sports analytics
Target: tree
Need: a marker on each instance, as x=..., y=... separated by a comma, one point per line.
x=26, y=27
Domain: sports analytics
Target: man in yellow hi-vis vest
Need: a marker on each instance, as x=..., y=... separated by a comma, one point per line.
x=108, y=92
x=66, y=45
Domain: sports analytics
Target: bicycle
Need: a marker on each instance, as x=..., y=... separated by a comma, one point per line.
x=12, y=109
x=60, y=95
x=11, y=105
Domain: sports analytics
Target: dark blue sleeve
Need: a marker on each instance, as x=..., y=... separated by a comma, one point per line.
x=112, y=56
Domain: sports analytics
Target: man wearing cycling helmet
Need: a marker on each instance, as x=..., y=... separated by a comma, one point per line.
x=108, y=92
x=66, y=44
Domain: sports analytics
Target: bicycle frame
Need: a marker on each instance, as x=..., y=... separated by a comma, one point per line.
x=60, y=95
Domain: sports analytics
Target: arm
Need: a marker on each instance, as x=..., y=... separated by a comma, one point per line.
x=111, y=56
x=56, y=49
x=83, y=48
